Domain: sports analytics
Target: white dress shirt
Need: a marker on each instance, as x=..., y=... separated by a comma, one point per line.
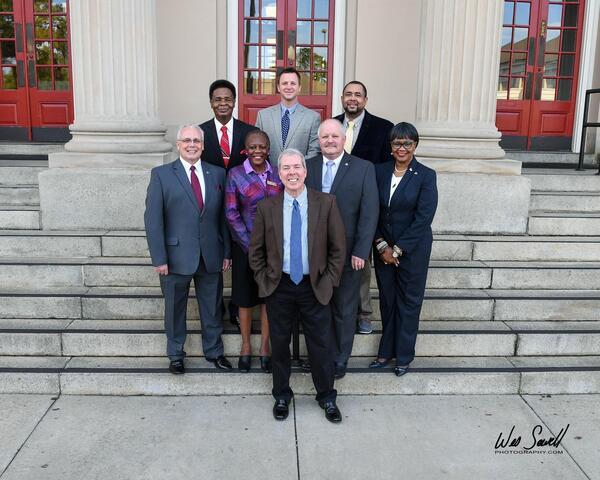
x=199, y=174
x=229, y=126
x=395, y=181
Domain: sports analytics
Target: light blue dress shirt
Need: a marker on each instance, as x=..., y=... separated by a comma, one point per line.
x=288, y=201
x=291, y=109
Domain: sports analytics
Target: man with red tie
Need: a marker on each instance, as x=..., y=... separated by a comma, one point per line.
x=188, y=239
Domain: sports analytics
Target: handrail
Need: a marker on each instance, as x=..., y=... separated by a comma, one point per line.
x=586, y=124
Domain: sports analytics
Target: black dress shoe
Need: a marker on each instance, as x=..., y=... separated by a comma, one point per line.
x=332, y=412
x=340, y=370
x=220, y=362
x=244, y=363
x=281, y=410
x=399, y=371
x=378, y=364
x=176, y=367
x=265, y=364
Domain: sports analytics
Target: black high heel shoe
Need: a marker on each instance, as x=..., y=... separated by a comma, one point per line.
x=265, y=364
x=377, y=364
x=244, y=363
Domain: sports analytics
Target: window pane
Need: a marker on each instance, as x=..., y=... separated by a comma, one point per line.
x=250, y=56
x=509, y=8
x=268, y=32
x=502, y=92
x=321, y=8
x=570, y=19
x=9, y=77
x=251, y=82
x=8, y=52
x=42, y=26
x=250, y=8
x=6, y=5
x=305, y=83
x=7, y=28
x=251, y=31
x=522, y=15
x=564, y=89
x=269, y=8
x=520, y=39
x=519, y=62
x=268, y=57
x=566, y=65
x=554, y=15
x=568, y=40
x=320, y=58
x=59, y=27
x=303, y=58
x=59, y=6
x=61, y=53
x=504, y=63
x=550, y=64
x=303, y=33
x=268, y=83
x=44, y=79
x=548, y=88
x=319, y=83
x=552, y=40
x=320, y=34
x=506, y=38
x=61, y=78
x=42, y=53
x=41, y=5
x=516, y=88
x=304, y=9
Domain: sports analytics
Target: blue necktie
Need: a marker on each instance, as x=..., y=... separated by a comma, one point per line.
x=296, y=272
x=328, y=180
x=285, y=126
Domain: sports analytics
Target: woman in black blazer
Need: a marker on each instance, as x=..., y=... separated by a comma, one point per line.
x=407, y=203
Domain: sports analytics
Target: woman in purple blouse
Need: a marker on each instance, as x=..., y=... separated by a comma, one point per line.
x=247, y=184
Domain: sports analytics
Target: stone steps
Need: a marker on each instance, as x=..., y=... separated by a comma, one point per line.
x=19, y=217
x=26, y=174
x=574, y=202
x=428, y=375
x=553, y=180
x=552, y=159
x=13, y=195
x=585, y=224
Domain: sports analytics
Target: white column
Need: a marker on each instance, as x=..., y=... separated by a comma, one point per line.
x=114, y=63
x=458, y=76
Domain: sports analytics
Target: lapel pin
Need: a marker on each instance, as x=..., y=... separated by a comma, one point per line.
x=416, y=173
x=346, y=163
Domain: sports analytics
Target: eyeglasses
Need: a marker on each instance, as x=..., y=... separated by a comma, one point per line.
x=187, y=141
x=399, y=145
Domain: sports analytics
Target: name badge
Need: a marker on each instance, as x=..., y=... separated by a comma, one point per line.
x=273, y=184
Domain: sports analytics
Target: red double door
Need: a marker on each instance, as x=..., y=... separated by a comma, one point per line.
x=275, y=34
x=539, y=67
x=36, y=96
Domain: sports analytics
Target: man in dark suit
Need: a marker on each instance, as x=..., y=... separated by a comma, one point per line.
x=224, y=135
x=367, y=137
x=188, y=239
x=297, y=252
x=352, y=181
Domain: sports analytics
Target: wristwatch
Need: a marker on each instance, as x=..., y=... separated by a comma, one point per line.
x=397, y=251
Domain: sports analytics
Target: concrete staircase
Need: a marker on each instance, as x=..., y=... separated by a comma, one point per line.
x=80, y=312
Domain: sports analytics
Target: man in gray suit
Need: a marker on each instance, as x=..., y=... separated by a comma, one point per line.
x=188, y=239
x=352, y=181
x=289, y=124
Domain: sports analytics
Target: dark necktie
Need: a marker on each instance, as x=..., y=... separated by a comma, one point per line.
x=225, y=149
x=285, y=126
x=196, y=187
x=296, y=271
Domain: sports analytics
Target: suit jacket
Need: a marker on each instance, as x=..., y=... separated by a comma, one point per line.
x=302, y=135
x=178, y=233
x=212, y=149
x=373, y=141
x=406, y=222
x=326, y=245
x=355, y=190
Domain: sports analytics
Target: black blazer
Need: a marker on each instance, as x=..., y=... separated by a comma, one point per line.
x=212, y=149
x=373, y=142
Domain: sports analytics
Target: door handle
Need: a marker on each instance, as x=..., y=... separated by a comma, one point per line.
x=291, y=54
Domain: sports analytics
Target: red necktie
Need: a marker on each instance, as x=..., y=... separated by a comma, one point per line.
x=196, y=187
x=225, y=149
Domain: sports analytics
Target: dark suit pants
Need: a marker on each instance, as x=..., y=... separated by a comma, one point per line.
x=344, y=307
x=209, y=292
x=282, y=307
x=401, y=291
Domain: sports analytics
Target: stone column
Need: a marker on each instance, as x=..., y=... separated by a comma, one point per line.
x=99, y=181
x=480, y=191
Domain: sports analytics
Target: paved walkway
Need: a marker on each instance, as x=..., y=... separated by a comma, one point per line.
x=235, y=437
